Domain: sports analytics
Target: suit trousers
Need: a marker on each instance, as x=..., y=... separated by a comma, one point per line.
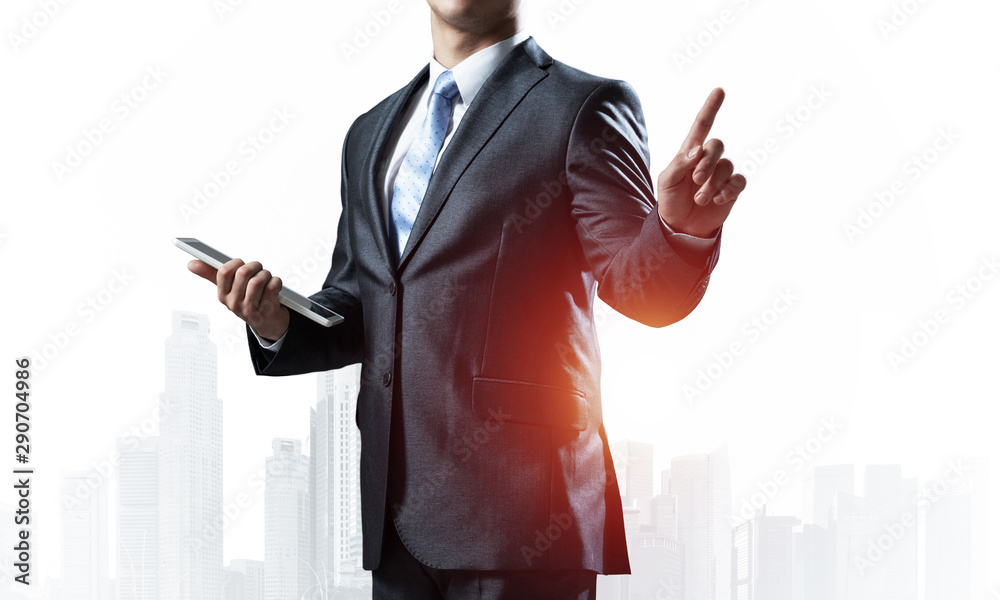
x=400, y=576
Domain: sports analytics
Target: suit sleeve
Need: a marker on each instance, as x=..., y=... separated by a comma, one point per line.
x=308, y=346
x=640, y=271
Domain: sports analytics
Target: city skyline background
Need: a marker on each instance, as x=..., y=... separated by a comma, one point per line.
x=889, y=537
x=837, y=121
x=784, y=491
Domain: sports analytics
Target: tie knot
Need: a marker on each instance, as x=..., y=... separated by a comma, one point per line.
x=445, y=85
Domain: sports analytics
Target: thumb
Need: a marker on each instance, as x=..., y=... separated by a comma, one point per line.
x=203, y=269
x=680, y=167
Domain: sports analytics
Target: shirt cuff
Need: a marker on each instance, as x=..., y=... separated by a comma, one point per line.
x=690, y=242
x=267, y=344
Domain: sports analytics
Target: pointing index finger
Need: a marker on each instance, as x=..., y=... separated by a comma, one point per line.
x=703, y=122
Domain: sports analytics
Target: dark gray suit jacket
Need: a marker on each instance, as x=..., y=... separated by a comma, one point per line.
x=482, y=334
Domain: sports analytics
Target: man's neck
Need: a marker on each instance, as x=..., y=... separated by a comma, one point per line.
x=453, y=45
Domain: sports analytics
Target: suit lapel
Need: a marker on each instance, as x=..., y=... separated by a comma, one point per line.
x=387, y=123
x=518, y=73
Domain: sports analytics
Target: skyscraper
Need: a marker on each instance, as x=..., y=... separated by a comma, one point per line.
x=956, y=536
x=704, y=505
x=138, y=518
x=244, y=580
x=190, y=465
x=948, y=543
x=890, y=497
x=634, y=468
x=814, y=563
x=657, y=563
x=875, y=538
x=655, y=554
x=84, y=537
x=287, y=537
x=663, y=515
x=764, y=558
x=820, y=486
x=335, y=443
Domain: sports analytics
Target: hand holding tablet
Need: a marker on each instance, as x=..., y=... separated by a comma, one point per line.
x=294, y=301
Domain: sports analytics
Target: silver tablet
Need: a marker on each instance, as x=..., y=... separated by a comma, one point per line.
x=297, y=302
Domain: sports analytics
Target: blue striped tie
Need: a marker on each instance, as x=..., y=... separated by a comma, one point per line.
x=418, y=164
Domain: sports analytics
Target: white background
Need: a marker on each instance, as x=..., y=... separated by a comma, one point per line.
x=887, y=92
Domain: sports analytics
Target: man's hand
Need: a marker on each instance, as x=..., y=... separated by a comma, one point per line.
x=698, y=187
x=250, y=292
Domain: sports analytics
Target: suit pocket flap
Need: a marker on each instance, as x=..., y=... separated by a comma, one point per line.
x=533, y=403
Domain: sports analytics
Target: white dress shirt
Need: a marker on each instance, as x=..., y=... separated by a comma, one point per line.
x=470, y=75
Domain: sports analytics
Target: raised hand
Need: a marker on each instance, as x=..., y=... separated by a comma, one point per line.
x=697, y=189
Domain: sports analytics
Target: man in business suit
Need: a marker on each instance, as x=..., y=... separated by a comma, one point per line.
x=483, y=204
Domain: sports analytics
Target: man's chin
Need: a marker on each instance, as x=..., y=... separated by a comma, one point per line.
x=471, y=16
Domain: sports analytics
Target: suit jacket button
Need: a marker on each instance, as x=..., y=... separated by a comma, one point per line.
x=392, y=288
x=386, y=379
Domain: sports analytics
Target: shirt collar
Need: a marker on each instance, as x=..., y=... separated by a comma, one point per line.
x=473, y=71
